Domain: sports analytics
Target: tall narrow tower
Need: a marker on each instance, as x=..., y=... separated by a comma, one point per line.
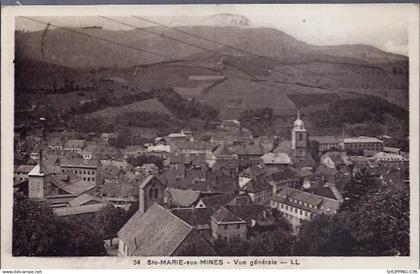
x=299, y=137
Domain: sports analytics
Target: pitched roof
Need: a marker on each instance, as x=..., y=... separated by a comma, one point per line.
x=75, y=159
x=248, y=212
x=157, y=232
x=76, y=210
x=222, y=151
x=255, y=186
x=362, y=139
x=85, y=198
x=197, y=217
x=389, y=157
x=325, y=139
x=23, y=168
x=248, y=149
x=319, y=204
x=74, y=143
x=149, y=179
x=253, y=171
x=217, y=200
x=70, y=183
x=224, y=215
x=276, y=158
x=183, y=198
x=337, y=157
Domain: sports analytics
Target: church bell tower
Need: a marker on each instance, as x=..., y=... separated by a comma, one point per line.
x=299, y=137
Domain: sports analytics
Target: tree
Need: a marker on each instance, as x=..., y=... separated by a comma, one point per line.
x=38, y=232
x=271, y=243
x=232, y=247
x=378, y=225
x=324, y=236
x=361, y=184
x=109, y=220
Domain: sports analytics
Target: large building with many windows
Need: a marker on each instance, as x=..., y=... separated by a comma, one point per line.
x=297, y=205
x=87, y=170
x=363, y=143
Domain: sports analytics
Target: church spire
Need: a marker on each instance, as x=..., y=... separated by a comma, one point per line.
x=298, y=114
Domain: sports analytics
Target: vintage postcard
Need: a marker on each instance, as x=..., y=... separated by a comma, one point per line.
x=210, y=136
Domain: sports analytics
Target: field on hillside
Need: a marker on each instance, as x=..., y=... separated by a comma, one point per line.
x=150, y=105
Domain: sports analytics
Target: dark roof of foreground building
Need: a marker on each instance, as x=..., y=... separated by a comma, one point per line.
x=197, y=217
x=224, y=216
x=158, y=232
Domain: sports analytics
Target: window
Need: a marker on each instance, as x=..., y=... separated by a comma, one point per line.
x=226, y=227
x=156, y=193
x=238, y=226
x=88, y=179
x=300, y=136
x=150, y=193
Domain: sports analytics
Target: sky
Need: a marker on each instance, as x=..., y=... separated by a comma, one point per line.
x=382, y=26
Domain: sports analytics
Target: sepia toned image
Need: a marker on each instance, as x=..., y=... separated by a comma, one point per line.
x=277, y=131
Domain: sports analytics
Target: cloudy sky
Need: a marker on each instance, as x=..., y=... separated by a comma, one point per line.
x=383, y=26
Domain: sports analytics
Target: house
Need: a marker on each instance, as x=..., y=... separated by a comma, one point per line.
x=252, y=172
x=133, y=151
x=221, y=158
x=63, y=184
x=361, y=143
x=199, y=218
x=388, y=158
x=284, y=177
x=297, y=206
x=101, y=152
x=192, y=147
x=87, y=170
x=158, y=232
x=230, y=125
x=55, y=144
x=279, y=160
x=266, y=143
x=179, y=198
x=164, y=149
x=248, y=154
x=75, y=145
x=337, y=160
x=214, y=201
x=36, y=183
x=259, y=191
x=175, y=138
x=88, y=152
x=327, y=143
x=254, y=215
x=392, y=150
x=84, y=204
x=21, y=172
x=227, y=225
x=120, y=194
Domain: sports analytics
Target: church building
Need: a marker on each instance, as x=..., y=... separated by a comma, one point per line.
x=299, y=140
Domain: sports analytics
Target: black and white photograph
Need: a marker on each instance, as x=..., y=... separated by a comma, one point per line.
x=276, y=131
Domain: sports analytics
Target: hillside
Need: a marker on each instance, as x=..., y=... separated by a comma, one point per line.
x=78, y=79
x=150, y=105
x=88, y=52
